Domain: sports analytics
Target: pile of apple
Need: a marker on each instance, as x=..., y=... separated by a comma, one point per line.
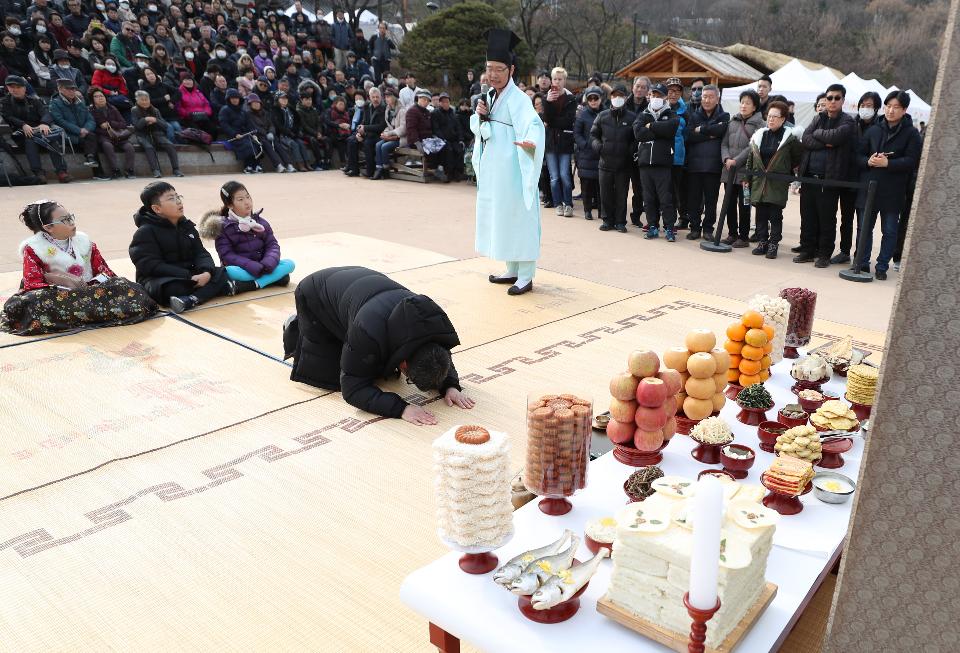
x=703, y=371
x=644, y=402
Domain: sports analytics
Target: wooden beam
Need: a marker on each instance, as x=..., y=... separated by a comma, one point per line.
x=661, y=73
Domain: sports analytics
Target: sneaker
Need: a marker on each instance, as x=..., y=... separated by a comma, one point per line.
x=760, y=249
x=64, y=178
x=740, y=244
x=605, y=227
x=177, y=173
x=644, y=228
x=622, y=228
x=131, y=174
x=671, y=236
x=772, y=250
x=258, y=170
x=652, y=232
x=249, y=170
x=560, y=210
x=840, y=258
x=102, y=176
x=283, y=281
x=588, y=215
x=880, y=275
x=568, y=212
x=90, y=161
x=281, y=169
x=290, y=168
x=694, y=234
x=729, y=240
x=822, y=262
x=157, y=174
x=803, y=258
x=896, y=266
x=181, y=304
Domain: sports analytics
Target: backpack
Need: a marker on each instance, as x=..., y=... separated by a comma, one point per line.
x=198, y=137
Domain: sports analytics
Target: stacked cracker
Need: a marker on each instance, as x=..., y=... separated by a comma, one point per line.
x=473, y=489
x=862, y=384
x=558, y=445
x=834, y=415
x=789, y=475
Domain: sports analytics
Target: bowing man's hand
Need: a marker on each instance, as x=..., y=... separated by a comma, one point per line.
x=529, y=146
x=454, y=396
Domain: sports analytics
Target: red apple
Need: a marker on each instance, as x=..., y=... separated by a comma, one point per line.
x=624, y=386
x=623, y=411
x=643, y=363
x=650, y=419
x=651, y=392
x=669, y=428
x=673, y=380
x=670, y=406
x=620, y=432
x=648, y=440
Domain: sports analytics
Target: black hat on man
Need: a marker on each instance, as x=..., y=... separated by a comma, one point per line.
x=500, y=45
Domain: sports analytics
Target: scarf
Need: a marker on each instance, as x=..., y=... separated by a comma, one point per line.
x=246, y=224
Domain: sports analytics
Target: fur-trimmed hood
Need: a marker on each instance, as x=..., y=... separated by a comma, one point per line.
x=211, y=225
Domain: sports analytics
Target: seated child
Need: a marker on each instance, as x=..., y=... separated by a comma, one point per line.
x=244, y=240
x=66, y=283
x=171, y=261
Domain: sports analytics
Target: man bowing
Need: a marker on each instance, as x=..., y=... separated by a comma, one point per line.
x=507, y=156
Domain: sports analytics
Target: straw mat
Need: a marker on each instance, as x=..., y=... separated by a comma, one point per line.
x=75, y=402
x=293, y=531
x=480, y=311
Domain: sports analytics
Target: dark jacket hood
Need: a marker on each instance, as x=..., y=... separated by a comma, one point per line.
x=413, y=322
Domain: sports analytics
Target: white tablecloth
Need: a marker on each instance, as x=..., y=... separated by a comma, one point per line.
x=479, y=611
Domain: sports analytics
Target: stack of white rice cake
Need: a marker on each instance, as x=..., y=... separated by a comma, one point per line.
x=473, y=488
x=651, y=556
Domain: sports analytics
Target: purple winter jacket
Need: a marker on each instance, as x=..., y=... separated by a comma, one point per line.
x=257, y=253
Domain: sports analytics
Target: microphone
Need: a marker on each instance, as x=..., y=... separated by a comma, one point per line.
x=484, y=94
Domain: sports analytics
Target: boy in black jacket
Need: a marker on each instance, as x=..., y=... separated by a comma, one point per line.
x=172, y=264
x=655, y=130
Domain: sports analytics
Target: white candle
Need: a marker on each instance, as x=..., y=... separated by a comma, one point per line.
x=705, y=556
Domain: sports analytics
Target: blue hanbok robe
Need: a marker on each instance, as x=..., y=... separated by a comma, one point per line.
x=508, y=201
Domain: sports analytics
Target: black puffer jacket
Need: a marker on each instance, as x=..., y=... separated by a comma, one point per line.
x=612, y=138
x=906, y=145
x=835, y=135
x=656, y=135
x=588, y=160
x=29, y=111
x=356, y=325
x=559, y=117
x=703, y=147
x=163, y=252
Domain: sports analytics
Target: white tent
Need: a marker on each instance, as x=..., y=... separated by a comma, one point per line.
x=856, y=87
x=796, y=82
x=918, y=109
x=366, y=18
x=292, y=9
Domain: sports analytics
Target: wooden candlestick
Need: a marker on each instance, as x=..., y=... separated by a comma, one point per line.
x=698, y=629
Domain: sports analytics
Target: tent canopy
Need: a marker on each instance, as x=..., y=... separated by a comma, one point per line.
x=796, y=82
x=292, y=9
x=366, y=17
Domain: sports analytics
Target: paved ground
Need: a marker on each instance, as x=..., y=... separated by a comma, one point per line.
x=441, y=218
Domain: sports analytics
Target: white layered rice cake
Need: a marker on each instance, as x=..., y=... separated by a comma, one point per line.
x=651, y=560
x=473, y=490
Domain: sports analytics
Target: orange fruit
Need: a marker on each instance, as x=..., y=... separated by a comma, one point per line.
x=733, y=375
x=752, y=320
x=764, y=375
x=767, y=329
x=756, y=337
x=735, y=361
x=732, y=346
x=747, y=380
x=749, y=367
x=767, y=348
x=751, y=353
x=736, y=331
x=765, y=363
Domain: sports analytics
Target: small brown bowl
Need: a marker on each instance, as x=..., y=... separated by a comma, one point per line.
x=708, y=454
x=790, y=422
x=829, y=396
x=594, y=546
x=768, y=437
x=862, y=411
x=752, y=416
x=632, y=498
x=737, y=467
x=716, y=472
x=811, y=405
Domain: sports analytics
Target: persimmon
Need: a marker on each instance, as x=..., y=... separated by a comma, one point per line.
x=767, y=329
x=752, y=320
x=733, y=375
x=746, y=380
x=751, y=353
x=736, y=331
x=756, y=337
x=749, y=367
x=732, y=346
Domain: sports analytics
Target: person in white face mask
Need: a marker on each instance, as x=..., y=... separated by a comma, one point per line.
x=63, y=70
x=655, y=130
x=612, y=138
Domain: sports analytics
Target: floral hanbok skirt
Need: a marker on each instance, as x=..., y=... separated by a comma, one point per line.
x=54, y=309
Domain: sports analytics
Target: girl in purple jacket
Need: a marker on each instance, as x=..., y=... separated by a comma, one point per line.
x=244, y=240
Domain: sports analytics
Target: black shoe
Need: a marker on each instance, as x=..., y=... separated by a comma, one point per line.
x=740, y=244
x=90, y=161
x=588, y=215
x=117, y=175
x=351, y=173
x=804, y=258
x=378, y=174
x=772, y=250
x=548, y=205
x=156, y=174
x=283, y=281
x=605, y=227
x=237, y=287
x=760, y=249
x=881, y=275
x=513, y=290
x=385, y=173
x=131, y=174
x=622, y=228
x=840, y=258
x=177, y=173
x=495, y=279
x=822, y=262
x=729, y=240
x=181, y=304
x=797, y=249
x=441, y=176
x=694, y=234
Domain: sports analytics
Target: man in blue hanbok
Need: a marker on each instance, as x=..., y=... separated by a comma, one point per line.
x=507, y=157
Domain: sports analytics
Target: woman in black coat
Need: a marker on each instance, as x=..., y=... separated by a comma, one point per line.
x=560, y=112
x=587, y=159
x=889, y=152
x=237, y=127
x=354, y=326
x=612, y=139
